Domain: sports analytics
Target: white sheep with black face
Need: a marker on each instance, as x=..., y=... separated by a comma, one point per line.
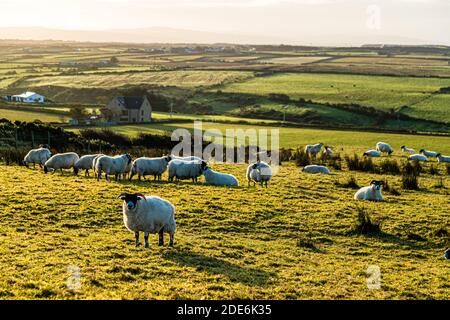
x=372, y=192
x=372, y=153
x=150, y=166
x=61, y=161
x=219, y=179
x=327, y=151
x=117, y=165
x=418, y=157
x=432, y=154
x=442, y=158
x=39, y=156
x=384, y=147
x=316, y=169
x=313, y=149
x=182, y=170
x=85, y=163
x=259, y=172
x=148, y=214
x=408, y=150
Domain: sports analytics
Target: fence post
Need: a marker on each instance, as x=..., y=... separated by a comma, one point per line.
x=89, y=146
x=32, y=138
x=15, y=136
x=48, y=138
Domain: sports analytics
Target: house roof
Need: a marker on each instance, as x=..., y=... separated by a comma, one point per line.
x=131, y=102
x=25, y=95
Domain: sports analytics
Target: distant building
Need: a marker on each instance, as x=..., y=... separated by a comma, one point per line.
x=27, y=97
x=130, y=109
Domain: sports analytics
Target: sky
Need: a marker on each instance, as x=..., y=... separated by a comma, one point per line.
x=424, y=21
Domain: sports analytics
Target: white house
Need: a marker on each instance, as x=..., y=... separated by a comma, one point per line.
x=28, y=97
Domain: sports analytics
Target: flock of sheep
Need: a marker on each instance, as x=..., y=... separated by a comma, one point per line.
x=151, y=214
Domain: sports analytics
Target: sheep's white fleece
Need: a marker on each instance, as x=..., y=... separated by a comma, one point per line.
x=62, y=161
x=219, y=179
x=316, y=169
x=368, y=193
x=39, y=156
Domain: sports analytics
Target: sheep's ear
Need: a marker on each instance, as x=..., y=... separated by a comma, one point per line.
x=122, y=196
x=140, y=196
x=373, y=182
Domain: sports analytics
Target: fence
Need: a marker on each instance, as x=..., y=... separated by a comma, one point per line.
x=20, y=138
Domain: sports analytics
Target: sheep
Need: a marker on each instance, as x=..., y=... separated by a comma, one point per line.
x=39, y=156
x=427, y=153
x=406, y=149
x=182, y=169
x=61, y=161
x=219, y=179
x=417, y=157
x=86, y=163
x=372, y=192
x=316, y=169
x=442, y=158
x=259, y=172
x=372, y=153
x=154, y=166
x=328, y=151
x=189, y=158
x=313, y=149
x=447, y=254
x=112, y=165
x=384, y=147
x=148, y=214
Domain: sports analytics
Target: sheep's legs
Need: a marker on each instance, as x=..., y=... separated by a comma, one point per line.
x=146, y=239
x=136, y=237
x=161, y=237
x=171, y=240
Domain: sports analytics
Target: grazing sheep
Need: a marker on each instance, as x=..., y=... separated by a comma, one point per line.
x=442, y=158
x=85, y=162
x=372, y=153
x=313, y=149
x=447, y=254
x=427, y=153
x=112, y=165
x=406, y=149
x=153, y=166
x=259, y=172
x=182, y=169
x=372, y=192
x=384, y=147
x=61, y=161
x=219, y=179
x=328, y=151
x=148, y=214
x=39, y=156
x=417, y=157
x=189, y=158
x=316, y=169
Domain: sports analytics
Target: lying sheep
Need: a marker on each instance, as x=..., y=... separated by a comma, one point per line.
x=372, y=192
x=61, y=161
x=417, y=157
x=316, y=169
x=372, y=153
x=384, y=147
x=427, y=153
x=153, y=166
x=259, y=172
x=406, y=149
x=219, y=179
x=182, y=169
x=313, y=149
x=86, y=163
x=39, y=156
x=148, y=214
x=442, y=158
x=117, y=165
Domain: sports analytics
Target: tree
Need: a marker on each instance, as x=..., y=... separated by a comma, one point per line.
x=114, y=60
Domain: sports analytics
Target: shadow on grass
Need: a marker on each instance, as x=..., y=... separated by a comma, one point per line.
x=212, y=265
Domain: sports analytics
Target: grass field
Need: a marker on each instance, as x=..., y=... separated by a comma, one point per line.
x=376, y=91
x=290, y=241
x=30, y=116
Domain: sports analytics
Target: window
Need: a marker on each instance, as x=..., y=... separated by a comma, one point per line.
x=124, y=112
x=142, y=112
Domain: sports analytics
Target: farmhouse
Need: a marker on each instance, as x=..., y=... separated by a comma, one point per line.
x=130, y=109
x=28, y=97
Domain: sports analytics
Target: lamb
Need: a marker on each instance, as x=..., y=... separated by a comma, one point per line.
x=86, y=163
x=427, y=153
x=313, y=149
x=418, y=157
x=219, y=179
x=259, y=172
x=316, y=169
x=372, y=153
x=372, y=192
x=384, y=147
x=442, y=158
x=406, y=149
x=189, y=158
x=148, y=214
x=39, y=156
x=61, y=161
x=182, y=169
x=153, y=166
x=112, y=165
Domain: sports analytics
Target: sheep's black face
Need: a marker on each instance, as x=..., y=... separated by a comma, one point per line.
x=131, y=199
x=129, y=158
x=254, y=166
x=377, y=184
x=45, y=169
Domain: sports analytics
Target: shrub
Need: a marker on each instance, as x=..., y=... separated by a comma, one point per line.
x=433, y=170
x=391, y=189
x=360, y=164
x=389, y=166
x=302, y=158
x=448, y=169
x=350, y=183
x=410, y=172
x=364, y=224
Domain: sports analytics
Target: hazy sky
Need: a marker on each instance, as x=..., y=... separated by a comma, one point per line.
x=424, y=20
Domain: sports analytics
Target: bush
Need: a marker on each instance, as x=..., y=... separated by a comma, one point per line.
x=391, y=189
x=364, y=224
x=389, y=166
x=12, y=156
x=410, y=172
x=433, y=170
x=302, y=158
x=350, y=183
x=360, y=164
x=448, y=169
